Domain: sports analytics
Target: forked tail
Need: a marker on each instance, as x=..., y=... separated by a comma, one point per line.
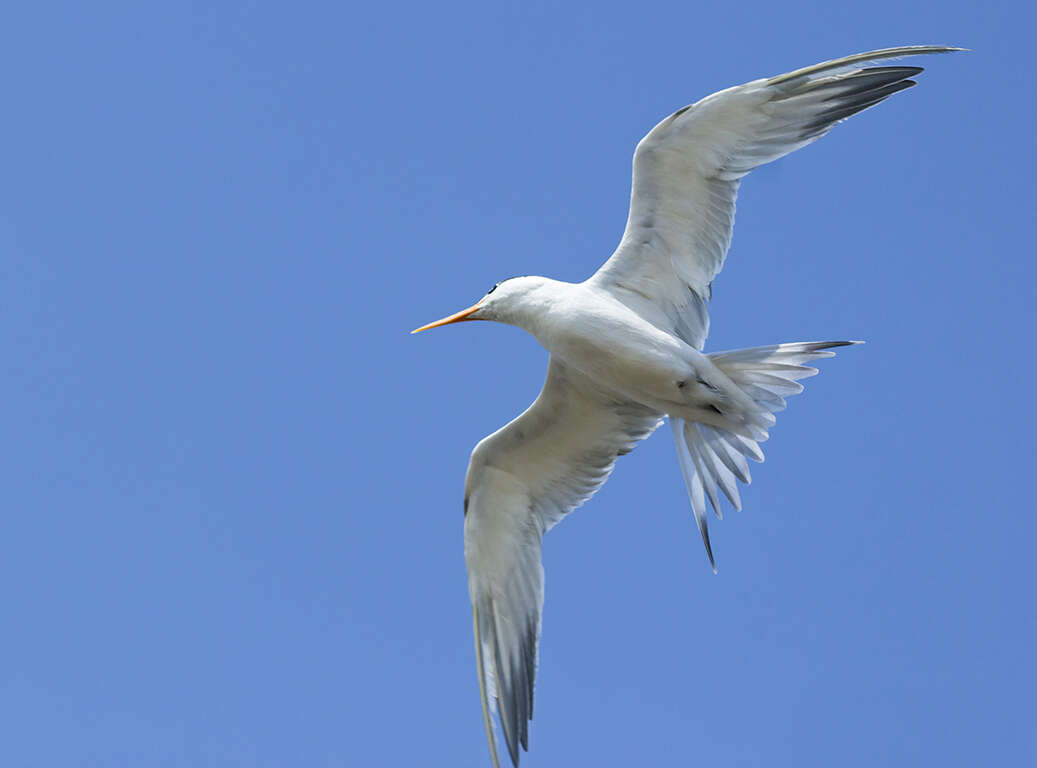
x=712, y=459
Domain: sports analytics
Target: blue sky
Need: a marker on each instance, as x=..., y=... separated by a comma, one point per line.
x=232, y=481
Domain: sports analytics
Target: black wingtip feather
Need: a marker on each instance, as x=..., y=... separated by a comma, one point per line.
x=518, y=709
x=906, y=71
x=507, y=718
x=860, y=83
x=828, y=118
x=515, y=690
x=817, y=346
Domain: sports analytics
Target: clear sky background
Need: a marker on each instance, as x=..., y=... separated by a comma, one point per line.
x=231, y=481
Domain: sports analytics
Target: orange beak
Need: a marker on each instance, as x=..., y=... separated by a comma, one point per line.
x=454, y=318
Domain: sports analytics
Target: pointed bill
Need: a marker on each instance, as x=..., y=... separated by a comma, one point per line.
x=454, y=318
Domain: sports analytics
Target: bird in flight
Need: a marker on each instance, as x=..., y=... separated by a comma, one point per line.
x=625, y=350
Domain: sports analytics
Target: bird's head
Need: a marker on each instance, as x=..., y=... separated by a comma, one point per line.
x=505, y=302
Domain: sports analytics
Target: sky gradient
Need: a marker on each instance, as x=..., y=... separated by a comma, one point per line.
x=232, y=529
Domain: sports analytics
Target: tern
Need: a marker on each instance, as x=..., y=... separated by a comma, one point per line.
x=625, y=353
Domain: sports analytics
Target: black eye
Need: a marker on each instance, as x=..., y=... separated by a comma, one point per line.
x=492, y=289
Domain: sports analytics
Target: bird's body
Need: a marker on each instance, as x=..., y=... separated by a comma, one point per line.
x=626, y=352
x=604, y=339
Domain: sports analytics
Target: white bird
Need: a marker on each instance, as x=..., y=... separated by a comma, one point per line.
x=625, y=352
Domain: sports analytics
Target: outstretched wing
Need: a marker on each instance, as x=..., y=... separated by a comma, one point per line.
x=521, y=480
x=688, y=168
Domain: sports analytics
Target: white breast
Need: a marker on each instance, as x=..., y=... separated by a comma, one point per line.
x=605, y=339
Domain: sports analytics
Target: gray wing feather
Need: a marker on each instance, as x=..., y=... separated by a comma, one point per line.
x=687, y=170
x=521, y=481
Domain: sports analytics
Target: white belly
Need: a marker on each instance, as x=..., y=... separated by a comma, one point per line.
x=617, y=348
